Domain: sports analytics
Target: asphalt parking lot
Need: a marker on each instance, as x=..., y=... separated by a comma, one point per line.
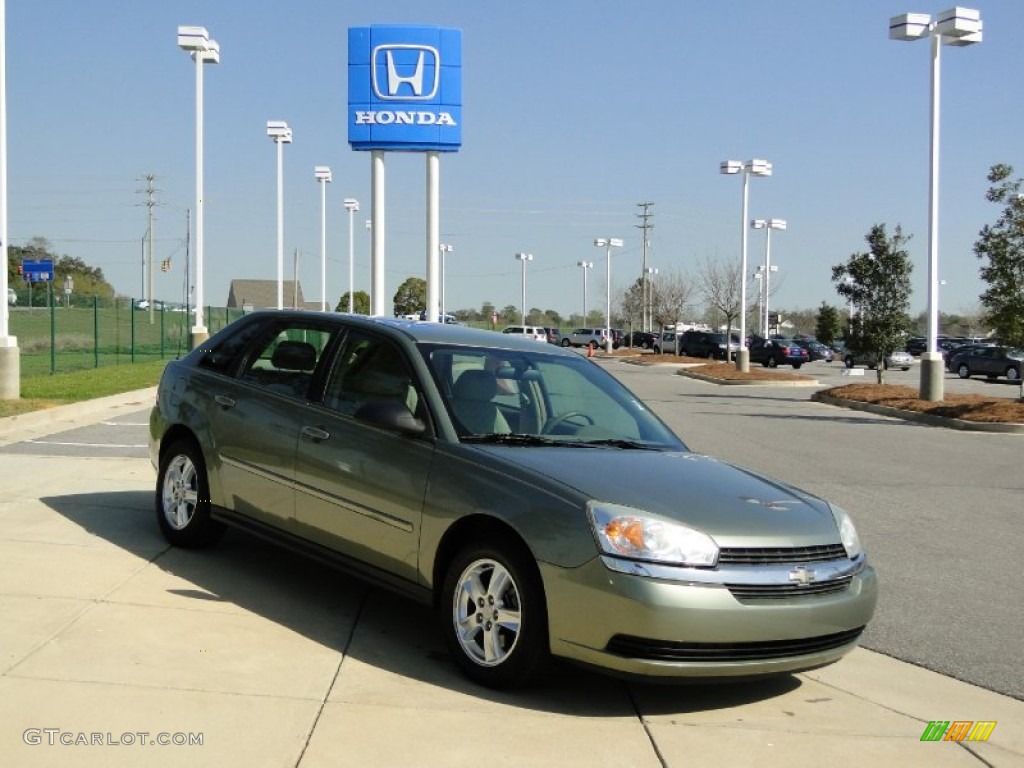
x=270, y=660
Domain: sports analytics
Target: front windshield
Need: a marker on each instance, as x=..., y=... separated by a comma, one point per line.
x=500, y=394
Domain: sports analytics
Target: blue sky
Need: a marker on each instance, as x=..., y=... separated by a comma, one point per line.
x=574, y=111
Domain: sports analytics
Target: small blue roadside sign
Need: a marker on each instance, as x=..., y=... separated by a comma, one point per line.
x=37, y=271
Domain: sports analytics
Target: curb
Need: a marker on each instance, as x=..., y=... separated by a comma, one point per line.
x=50, y=420
x=921, y=418
x=749, y=382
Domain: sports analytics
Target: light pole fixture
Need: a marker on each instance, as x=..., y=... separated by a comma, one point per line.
x=196, y=40
x=768, y=225
x=445, y=249
x=748, y=168
x=524, y=257
x=323, y=175
x=281, y=134
x=352, y=205
x=960, y=27
x=608, y=243
x=586, y=265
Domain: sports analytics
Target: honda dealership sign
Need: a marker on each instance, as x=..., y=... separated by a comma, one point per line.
x=405, y=88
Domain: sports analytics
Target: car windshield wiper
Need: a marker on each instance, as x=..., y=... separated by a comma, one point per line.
x=517, y=439
x=618, y=442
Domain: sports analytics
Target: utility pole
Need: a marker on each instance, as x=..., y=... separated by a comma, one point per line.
x=646, y=225
x=150, y=191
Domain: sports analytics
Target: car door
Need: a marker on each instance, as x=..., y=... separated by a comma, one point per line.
x=360, y=488
x=255, y=421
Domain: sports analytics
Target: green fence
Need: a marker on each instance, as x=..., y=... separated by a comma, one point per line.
x=59, y=339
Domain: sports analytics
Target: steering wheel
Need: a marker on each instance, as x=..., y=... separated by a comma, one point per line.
x=557, y=421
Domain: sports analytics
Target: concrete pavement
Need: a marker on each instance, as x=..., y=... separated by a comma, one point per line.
x=269, y=660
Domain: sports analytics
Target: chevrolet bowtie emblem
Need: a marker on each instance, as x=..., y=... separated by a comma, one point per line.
x=802, y=575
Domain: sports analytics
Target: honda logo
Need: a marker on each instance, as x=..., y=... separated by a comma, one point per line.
x=406, y=72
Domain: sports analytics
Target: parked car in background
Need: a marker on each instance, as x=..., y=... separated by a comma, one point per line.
x=666, y=343
x=953, y=349
x=707, y=344
x=816, y=350
x=776, y=352
x=898, y=359
x=988, y=361
x=588, y=337
x=554, y=335
x=641, y=339
x=388, y=449
x=529, y=331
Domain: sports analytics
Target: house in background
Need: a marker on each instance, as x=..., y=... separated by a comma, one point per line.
x=262, y=294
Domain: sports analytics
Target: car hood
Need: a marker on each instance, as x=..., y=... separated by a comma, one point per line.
x=735, y=506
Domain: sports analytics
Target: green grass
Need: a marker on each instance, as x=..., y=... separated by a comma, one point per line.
x=46, y=391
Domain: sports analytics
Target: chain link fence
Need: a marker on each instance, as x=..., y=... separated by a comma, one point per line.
x=56, y=339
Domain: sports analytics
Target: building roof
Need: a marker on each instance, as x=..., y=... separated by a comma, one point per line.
x=262, y=294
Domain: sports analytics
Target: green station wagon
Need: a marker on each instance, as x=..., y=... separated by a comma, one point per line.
x=481, y=474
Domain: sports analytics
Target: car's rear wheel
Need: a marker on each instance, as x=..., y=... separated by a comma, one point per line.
x=848, y=361
x=963, y=371
x=1013, y=373
x=796, y=366
x=495, y=622
x=183, y=497
x=593, y=345
x=773, y=363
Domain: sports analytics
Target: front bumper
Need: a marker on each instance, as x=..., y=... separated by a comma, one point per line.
x=646, y=626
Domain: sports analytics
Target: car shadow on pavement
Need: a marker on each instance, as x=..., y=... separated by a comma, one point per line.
x=343, y=614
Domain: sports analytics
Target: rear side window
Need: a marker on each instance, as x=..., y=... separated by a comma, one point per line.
x=285, y=360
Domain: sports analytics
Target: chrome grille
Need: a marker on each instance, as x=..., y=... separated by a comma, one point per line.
x=785, y=591
x=781, y=555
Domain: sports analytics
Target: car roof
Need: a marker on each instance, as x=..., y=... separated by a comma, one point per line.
x=419, y=331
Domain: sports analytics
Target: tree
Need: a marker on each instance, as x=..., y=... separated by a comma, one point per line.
x=1002, y=247
x=720, y=285
x=411, y=297
x=360, y=303
x=826, y=329
x=879, y=289
x=510, y=314
x=88, y=281
x=670, y=296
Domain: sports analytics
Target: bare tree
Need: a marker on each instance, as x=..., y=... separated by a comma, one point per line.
x=671, y=293
x=720, y=286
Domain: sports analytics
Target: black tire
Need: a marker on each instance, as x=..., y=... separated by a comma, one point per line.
x=183, y=497
x=493, y=653
x=773, y=363
x=566, y=343
x=593, y=345
x=848, y=361
x=1013, y=373
x=963, y=371
x=796, y=366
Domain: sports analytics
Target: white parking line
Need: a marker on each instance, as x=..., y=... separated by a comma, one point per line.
x=123, y=424
x=85, y=445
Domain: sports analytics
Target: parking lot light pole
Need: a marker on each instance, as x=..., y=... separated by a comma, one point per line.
x=648, y=321
x=445, y=249
x=323, y=175
x=281, y=134
x=585, y=265
x=524, y=257
x=196, y=40
x=748, y=168
x=960, y=27
x=352, y=205
x=608, y=243
x=768, y=225
x=10, y=356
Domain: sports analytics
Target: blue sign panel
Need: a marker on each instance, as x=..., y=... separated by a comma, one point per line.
x=405, y=88
x=37, y=271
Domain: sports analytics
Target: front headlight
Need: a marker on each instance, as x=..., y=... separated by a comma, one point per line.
x=633, y=533
x=847, y=532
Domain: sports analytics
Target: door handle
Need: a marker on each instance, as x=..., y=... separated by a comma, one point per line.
x=224, y=401
x=316, y=434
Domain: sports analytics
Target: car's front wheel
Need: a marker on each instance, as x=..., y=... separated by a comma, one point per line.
x=773, y=363
x=848, y=361
x=183, y=497
x=963, y=371
x=495, y=622
x=566, y=343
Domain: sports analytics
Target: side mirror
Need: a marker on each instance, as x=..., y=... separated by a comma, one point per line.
x=393, y=415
